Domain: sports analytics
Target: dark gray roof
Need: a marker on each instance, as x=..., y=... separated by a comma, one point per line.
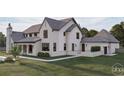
x=29, y=40
x=17, y=36
x=56, y=24
x=71, y=28
x=33, y=29
x=102, y=37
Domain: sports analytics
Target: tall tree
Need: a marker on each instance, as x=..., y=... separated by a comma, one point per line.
x=16, y=51
x=2, y=40
x=85, y=31
x=89, y=33
x=93, y=32
x=118, y=31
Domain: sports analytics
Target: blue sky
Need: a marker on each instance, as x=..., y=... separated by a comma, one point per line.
x=21, y=23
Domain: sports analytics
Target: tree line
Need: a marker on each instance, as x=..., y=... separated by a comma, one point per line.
x=2, y=40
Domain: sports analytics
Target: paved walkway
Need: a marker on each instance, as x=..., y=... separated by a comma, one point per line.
x=38, y=59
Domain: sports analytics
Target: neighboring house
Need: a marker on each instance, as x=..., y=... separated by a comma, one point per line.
x=60, y=37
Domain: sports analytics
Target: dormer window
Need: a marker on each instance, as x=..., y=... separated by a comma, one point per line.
x=26, y=35
x=45, y=33
x=35, y=34
x=30, y=35
x=77, y=35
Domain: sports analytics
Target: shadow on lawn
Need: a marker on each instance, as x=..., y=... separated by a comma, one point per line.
x=95, y=72
x=72, y=64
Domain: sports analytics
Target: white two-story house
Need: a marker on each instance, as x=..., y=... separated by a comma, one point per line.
x=59, y=37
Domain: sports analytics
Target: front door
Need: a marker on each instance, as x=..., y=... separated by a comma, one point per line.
x=105, y=50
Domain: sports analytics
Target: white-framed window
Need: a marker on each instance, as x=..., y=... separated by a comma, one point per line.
x=45, y=33
x=35, y=34
x=77, y=35
x=45, y=47
x=30, y=35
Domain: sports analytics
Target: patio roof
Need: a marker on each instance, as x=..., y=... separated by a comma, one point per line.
x=29, y=40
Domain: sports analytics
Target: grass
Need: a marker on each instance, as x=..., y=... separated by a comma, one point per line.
x=81, y=66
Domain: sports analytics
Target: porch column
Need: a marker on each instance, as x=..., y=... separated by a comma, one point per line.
x=27, y=49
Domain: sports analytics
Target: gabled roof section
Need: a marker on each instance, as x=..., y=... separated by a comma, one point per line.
x=28, y=40
x=71, y=28
x=33, y=29
x=56, y=24
x=17, y=36
x=102, y=37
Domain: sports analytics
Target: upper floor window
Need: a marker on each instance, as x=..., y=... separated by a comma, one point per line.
x=35, y=34
x=64, y=34
x=30, y=35
x=45, y=33
x=77, y=35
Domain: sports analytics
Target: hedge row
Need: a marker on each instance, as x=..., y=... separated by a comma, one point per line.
x=42, y=54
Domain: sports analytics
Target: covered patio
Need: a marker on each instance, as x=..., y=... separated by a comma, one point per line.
x=27, y=49
x=29, y=45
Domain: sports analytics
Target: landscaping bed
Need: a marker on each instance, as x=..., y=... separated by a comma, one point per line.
x=47, y=58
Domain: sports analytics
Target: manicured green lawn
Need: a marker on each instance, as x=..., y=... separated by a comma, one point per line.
x=96, y=66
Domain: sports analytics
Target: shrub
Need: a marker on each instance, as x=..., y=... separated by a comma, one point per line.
x=46, y=55
x=16, y=51
x=95, y=48
x=9, y=60
x=42, y=54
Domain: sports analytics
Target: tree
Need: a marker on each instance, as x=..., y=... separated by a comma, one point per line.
x=16, y=51
x=89, y=33
x=118, y=31
x=2, y=40
x=92, y=32
x=85, y=32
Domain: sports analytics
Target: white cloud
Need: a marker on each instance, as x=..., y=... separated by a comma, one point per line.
x=90, y=20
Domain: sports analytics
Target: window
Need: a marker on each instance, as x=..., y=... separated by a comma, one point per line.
x=30, y=49
x=45, y=46
x=95, y=48
x=64, y=34
x=30, y=35
x=35, y=34
x=64, y=46
x=54, y=46
x=83, y=47
x=77, y=35
x=45, y=34
x=72, y=46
